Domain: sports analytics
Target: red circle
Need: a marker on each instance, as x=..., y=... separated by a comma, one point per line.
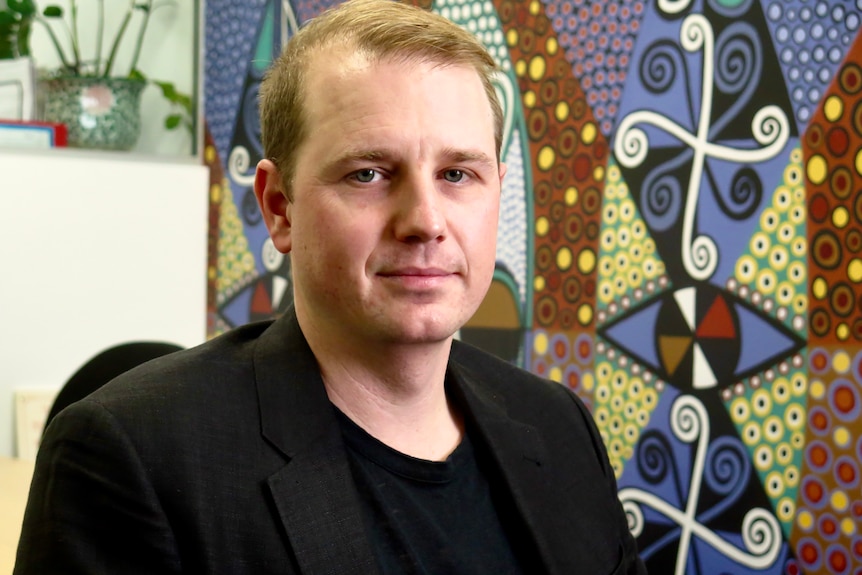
x=560, y=349
x=845, y=472
x=814, y=491
x=844, y=400
x=584, y=350
x=819, y=361
x=581, y=167
x=818, y=208
x=814, y=136
x=808, y=553
x=838, y=560
x=841, y=181
x=574, y=379
x=857, y=508
x=838, y=141
x=819, y=456
x=819, y=421
x=828, y=526
x=857, y=548
x=826, y=251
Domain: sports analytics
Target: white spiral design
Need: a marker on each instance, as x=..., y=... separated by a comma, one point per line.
x=769, y=125
x=238, y=165
x=688, y=418
x=761, y=535
x=634, y=517
x=631, y=145
x=702, y=258
x=695, y=33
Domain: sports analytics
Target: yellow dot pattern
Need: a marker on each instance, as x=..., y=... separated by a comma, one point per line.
x=771, y=421
x=623, y=406
x=235, y=260
x=775, y=264
x=566, y=152
x=627, y=256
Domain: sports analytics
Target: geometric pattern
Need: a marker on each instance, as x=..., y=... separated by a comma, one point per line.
x=680, y=244
x=833, y=169
x=828, y=526
x=598, y=41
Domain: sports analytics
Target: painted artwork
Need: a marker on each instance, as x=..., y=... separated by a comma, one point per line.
x=680, y=243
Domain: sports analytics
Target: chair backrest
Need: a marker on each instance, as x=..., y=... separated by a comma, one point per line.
x=104, y=367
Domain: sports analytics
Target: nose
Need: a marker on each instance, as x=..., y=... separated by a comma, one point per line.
x=419, y=214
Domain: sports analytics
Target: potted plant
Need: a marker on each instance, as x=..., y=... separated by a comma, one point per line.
x=16, y=17
x=97, y=99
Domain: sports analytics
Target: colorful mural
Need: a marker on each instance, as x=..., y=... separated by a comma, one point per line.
x=680, y=243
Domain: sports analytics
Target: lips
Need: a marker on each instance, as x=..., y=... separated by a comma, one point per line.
x=415, y=272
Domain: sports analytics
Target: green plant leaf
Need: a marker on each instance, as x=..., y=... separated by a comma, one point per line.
x=173, y=121
x=137, y=75
x=52, y=11
x=142, y=7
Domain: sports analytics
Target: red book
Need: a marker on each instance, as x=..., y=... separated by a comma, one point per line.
x=32, y=135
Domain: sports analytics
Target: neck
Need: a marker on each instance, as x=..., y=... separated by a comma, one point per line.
x=395, y=392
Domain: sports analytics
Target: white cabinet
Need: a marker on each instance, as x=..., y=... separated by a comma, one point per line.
x=95, y=249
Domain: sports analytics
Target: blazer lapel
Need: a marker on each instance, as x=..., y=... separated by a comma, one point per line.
x=314, y=492
x=523, y=462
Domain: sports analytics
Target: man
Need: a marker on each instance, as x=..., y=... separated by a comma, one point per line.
x=351, y=435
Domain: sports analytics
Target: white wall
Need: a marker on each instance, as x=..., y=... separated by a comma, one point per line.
x=95, y=250
x=167, y=55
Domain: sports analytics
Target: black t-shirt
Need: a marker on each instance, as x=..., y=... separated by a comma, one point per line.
x=428, y=517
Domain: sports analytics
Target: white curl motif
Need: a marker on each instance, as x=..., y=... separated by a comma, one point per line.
x=688, y=419
x=695, y=33
x=631, y=144
x=238, y=164
x=761, y=532
x=673, y=6
x=634, y=517
x=770, y=128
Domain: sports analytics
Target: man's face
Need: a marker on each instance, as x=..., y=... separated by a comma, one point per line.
x=396, y=194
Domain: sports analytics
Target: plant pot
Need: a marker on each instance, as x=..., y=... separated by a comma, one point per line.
x=99, y=113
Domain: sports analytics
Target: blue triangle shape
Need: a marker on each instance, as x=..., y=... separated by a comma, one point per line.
x=636, y=334
x=761, y=341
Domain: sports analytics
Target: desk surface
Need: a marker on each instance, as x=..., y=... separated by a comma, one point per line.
x=15, y=475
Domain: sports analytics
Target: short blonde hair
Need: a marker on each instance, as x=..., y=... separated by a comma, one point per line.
x=379, y=29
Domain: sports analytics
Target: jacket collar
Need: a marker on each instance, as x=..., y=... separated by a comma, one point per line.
x=314, y=492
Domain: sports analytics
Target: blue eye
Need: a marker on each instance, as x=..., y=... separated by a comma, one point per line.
x=365, y=176
x=453, y=176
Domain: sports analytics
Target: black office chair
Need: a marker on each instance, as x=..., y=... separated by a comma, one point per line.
x=104, y=367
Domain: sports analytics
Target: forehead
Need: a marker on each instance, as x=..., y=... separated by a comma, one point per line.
x=338, y=69
x=357, y=107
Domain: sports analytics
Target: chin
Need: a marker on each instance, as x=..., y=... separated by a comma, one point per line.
x=422, y=333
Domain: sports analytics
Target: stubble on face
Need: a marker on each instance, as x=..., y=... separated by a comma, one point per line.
x=409, y=256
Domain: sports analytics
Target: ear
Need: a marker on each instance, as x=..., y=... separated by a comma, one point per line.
x=502, y=172
x=274, y=205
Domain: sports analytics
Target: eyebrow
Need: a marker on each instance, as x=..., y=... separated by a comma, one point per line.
x=454, y=155
x=469, y=157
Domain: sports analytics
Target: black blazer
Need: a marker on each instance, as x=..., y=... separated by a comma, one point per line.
x=227, y=458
